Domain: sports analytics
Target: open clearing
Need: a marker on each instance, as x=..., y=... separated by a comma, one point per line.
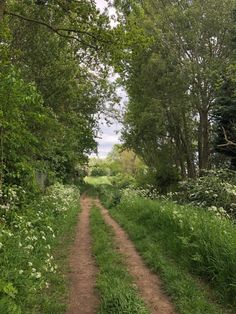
x=98, y=180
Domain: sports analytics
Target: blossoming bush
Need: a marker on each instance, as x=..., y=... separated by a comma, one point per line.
x=198, y=240
x=216, y=190
x=27, y=238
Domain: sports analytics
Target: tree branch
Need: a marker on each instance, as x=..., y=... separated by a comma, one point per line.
x=228, y=142
x=56, y=30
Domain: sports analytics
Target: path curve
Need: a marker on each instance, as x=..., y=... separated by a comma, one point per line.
x=147, y=282
x=82, y=297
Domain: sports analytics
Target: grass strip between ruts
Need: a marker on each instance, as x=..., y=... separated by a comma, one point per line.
x=185, y=292
x=117, y=292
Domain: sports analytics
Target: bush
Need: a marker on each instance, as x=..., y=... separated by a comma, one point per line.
x=121, y=181
x=110, y=194
x=165, y=180
x=99, y=172
x=215, y=190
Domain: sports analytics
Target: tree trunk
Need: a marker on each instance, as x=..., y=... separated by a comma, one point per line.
x=203, y=141
x=182, y=168
x=187, y=145
x=2, y=9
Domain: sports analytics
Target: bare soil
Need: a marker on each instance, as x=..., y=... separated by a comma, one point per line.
x=82, y=297
x=148, y=283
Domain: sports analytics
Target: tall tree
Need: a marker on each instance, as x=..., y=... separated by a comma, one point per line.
x=225, y=117
x=59, y=47
x=179, y=69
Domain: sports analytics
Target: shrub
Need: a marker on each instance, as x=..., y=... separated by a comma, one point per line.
x=215, y=190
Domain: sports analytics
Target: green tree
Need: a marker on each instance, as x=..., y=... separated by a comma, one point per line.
x=59, y=48
x=225, y=117
x=171, y=78
x=25, y=128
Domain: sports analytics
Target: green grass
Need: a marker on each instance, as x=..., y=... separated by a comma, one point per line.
x=33, y=253
x=98, y=180
x=115, y=285
x=55, y=300
x=176, y=241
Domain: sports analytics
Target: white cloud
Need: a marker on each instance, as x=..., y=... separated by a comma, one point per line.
x=108, y=138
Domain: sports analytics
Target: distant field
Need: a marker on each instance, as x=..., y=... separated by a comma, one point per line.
x=98, y=180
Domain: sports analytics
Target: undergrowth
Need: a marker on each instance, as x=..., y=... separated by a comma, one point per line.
x=175, y=241
x=31, y=270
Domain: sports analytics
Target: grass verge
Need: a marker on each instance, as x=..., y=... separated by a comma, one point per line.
x=98, y=180
x=33, y=252
x=141, y=219
x=54, y=301
x=114, y=283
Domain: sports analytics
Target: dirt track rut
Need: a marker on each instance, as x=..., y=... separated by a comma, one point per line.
x=82, y=298
x=148, y=283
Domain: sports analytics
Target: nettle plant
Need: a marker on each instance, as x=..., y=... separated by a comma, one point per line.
x=216, y=190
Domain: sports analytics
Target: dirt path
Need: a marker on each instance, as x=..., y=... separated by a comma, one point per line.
x=148, y=283
x=83, y=299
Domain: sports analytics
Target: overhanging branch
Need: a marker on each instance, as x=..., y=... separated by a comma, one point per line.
x=58, y=31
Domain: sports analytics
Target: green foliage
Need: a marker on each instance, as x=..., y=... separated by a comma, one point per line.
x=53, y=82
x=98, y=172
x=171, y=80
x=114, y=283
x=104, y=180
x=198, y=241
x=122, y=181
x=124, y=161
x=109, y=189
x=23, y=128
x=225, y=119
x=27, y=241
x=185, y=292
x=165, y=180
x=7, y=295
x=215, y=190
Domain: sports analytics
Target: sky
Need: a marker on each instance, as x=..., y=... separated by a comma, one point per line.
x=108, y=135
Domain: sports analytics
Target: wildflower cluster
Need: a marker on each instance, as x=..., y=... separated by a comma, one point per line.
x=26, y=243
x=10, y=198
x=215, y=191
x=149, y=192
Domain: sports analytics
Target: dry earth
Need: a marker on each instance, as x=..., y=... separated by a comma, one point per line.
x=83, y=298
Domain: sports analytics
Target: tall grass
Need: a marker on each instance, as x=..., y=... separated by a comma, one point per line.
x=32, y=255
x=196, y=240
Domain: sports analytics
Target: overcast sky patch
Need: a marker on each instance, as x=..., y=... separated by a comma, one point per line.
x=109, y=135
